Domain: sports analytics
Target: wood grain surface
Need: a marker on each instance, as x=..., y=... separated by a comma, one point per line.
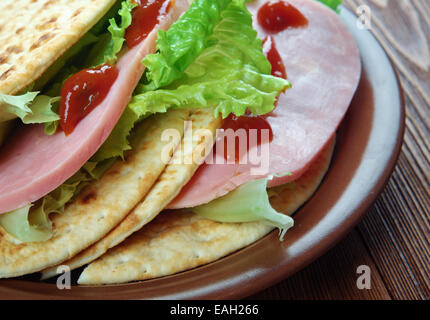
x=394, y=238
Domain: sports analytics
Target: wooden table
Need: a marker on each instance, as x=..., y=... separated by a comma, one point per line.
x=394, y=238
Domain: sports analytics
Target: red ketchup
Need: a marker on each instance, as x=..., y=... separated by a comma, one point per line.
x=246, y=122
x=145, y=17
x=82, y=92
x=272, y=54
x=275, y=17
x=275, y=59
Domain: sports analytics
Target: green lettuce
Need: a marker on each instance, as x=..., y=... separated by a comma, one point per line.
x=183, y=42
x=230, y=90
x=333, y=4
x=231, y=71
x=213, y=25
x=110, y=43
x=29, y=107
x=31, y=223
x=17, y=224
x=118, y=31
x=247, y=203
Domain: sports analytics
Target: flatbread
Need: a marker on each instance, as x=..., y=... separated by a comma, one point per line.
x=34, y=34
x=177, y=241
x=168, y=185
x=101, y=206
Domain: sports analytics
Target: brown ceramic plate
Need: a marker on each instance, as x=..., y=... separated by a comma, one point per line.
x=369, y=141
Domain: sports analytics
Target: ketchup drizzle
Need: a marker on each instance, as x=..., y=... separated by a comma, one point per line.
x=145, y=17
x=82, y=92
x=272, y=54
x=275, y=17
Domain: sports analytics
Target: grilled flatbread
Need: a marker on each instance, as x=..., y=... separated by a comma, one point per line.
x=168, y=185
x=44, y=31
x=177, y=241
x=101, y=206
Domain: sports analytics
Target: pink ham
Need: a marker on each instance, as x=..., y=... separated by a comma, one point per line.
x=33, y=164
x=323, y=64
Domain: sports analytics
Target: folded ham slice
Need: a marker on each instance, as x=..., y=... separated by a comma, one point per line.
x=323, y=64
x=33, y=164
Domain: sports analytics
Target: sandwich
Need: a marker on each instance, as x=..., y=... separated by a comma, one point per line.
x=92, y=191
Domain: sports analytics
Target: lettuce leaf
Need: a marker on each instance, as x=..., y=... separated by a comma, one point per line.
x=31, y=223
x=333, y=4
x=183, y=42
x=230, y=73
x=17, y=224
x=42, y=110
x=29, y=107
x=233, y=91
x=16, y=106
x=247, y=203
x=102, y=25
x=118, y=31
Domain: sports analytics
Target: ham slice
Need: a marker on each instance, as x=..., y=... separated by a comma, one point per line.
x=33, y=164
x=323, y=64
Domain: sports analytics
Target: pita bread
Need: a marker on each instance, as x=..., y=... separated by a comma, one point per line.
x=101, y=206
x=34, y=34
x=177, y=241
x=165, y=189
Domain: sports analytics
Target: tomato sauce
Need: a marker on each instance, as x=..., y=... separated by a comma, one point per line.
x=82, y=92
x=275, y=59
x=246, y=122
x=272, y=54
x=275, y=17
x=145, y=17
